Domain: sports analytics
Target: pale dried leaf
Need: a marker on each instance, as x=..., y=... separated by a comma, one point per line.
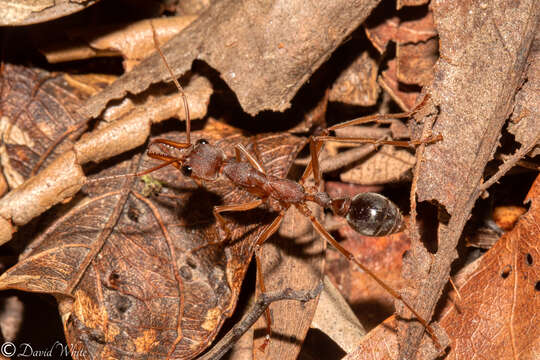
x=386, y=165
x=26, y=12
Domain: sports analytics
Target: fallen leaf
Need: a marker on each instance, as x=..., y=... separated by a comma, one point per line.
x=251, y=47
x=39, y=109
x=525, y=123
x=405, y=96
x=357, y=85
x=149, y=275
x=383, y=255
x=385, y=166
x=26, y=12
x=495, y=314
x=133, y=41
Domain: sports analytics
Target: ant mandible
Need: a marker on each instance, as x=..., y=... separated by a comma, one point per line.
x=369, y=214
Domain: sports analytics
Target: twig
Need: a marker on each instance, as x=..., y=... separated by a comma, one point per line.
x=254, y=313
x=509, y=163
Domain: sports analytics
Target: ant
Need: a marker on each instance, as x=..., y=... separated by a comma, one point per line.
x=369, y=214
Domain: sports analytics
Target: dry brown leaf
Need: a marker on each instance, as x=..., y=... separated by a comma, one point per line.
x=250, y=45
x=405, y=97
x=38, y=109
x=506, y=216
x=149, y=275
x=335, y=318
x=484, y=52
x=401, y=32
x=381, y=344
x=402, y=3
x=496, y=313
x=416, y=50
x=385, y=166
x=415, y=62
x=383, y=255
x=133, y=41
x=357, y=85
x=525, y=121
x=26, y=12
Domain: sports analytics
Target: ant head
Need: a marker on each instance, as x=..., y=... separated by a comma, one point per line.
x=203, y=161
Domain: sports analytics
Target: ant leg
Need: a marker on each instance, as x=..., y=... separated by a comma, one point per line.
x=222, y=223
x=170, y=143
x=167, y=160
x=316, y=142
x=240, y=149
x=315, y=145
x=269, y=231
x=410, y=143
x=380, y=118
x=324, y=233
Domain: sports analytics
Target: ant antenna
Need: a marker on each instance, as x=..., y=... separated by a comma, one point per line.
x=182, y=92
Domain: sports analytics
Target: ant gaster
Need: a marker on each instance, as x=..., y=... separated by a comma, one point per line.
x=369, y=214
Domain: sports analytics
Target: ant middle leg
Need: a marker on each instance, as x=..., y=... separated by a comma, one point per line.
x=222, y=222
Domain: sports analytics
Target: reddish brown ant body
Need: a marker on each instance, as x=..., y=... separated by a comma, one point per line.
x=369, y=214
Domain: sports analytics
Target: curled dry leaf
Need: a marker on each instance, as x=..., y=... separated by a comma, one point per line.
x=357, y=85
x=133, y=41
x=496, y=313
x=250, y=45
x=400, y=31
x=415, y=62
x=149, y=275
x=26, y=12
x=400, y=94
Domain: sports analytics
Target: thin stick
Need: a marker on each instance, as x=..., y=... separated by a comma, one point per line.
x=509, y=163
x=254, y=314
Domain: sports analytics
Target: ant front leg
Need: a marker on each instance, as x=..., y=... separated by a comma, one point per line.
x=167, y=159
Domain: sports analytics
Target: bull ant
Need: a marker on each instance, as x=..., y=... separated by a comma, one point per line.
x=369, y=214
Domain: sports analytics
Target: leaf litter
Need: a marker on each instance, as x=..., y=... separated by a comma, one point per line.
x=447, y=90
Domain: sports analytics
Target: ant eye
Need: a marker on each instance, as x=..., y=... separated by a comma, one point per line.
x=201, y=141
x=187, y=170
